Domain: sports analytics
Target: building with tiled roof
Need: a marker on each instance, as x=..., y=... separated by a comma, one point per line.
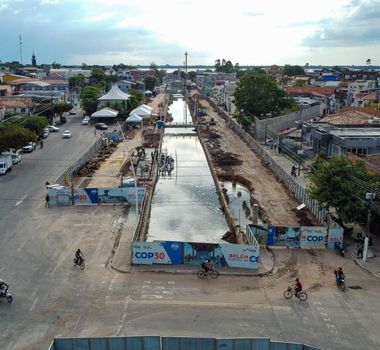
x=308, y=90
x=17, y=104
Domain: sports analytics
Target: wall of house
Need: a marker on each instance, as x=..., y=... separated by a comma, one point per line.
x=277, y=124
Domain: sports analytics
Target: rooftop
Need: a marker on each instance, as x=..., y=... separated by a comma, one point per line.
x=323, y=90
x=348, y=118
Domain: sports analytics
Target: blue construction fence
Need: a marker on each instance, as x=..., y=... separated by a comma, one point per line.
x=191, y=253
x=314, y=237
x=174, y=343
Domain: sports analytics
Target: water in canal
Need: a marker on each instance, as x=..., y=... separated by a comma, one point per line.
x=185, y=205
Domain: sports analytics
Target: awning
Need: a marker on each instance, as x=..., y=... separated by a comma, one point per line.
x=134, y=118
x=105, y=113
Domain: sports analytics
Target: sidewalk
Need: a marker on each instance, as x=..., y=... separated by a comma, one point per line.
x=372, y=265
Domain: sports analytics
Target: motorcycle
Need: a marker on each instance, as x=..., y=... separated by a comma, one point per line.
x=212, y=273
x=289, y=292
x=79, y=262
x=339, y=248
x=5, y=294
x=293, y=172
x=340, y=282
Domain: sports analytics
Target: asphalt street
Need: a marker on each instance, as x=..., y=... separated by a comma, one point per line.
x=52, y=298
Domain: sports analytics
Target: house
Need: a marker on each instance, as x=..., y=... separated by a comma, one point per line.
x=71, y=72
x=351, y=131
x=8, y=77
x=125, y=85
x=17, y=104
x=324, y=94
x=55, y=89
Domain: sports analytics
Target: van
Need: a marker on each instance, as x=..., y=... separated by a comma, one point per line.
x=16, y=157
x=5, y=164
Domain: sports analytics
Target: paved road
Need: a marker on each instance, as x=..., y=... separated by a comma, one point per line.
x=52, y=298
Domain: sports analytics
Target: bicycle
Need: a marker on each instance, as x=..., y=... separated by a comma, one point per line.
x=203, y=274
x=289, y=292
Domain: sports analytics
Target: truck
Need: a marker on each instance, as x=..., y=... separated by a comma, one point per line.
x=5, y=164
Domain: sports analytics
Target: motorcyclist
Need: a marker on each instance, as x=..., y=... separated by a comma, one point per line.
x=297, y=287
x=207, y=266
x=79, y=256
x=339, y=274
x=3, y=287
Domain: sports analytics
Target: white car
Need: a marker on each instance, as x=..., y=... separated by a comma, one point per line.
x=66, y=134
x=52, y=128
x=85, y=121
x=29, y=147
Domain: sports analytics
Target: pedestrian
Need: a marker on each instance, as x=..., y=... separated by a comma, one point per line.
x=41, y=144
x=47, y=201
x=360, y=248
x=95, y=132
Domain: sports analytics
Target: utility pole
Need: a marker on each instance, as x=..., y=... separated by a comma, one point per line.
x=369, y=197
x=185, y=65
x=20, y=43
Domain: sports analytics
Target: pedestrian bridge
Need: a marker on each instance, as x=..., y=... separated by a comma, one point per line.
x=173, y=343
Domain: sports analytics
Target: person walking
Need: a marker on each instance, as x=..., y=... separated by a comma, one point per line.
x=41, y=144
x=360, y=248
x=47, y=201
x=95, y=132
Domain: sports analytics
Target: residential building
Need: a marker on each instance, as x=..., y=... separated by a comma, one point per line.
x=341, y=133
x=16, y=104
x=55, y=89
x=71, y=72
x=125, y=85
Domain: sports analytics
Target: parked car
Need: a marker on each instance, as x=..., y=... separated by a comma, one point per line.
x=16, y=157
x=85, y=121
x=45, y=133
x=101, y=126
x=29, y=147
x=73, y=112
x=67, y=134
x=52, y=128
x=5, y=164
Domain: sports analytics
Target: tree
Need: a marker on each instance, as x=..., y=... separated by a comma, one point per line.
x=159, y=74
x=136, y=98
x=299, y=83
x=332, y=186
x=150, y=83
x=289, y=70
x=192, y=75
x=89, y=99
x=60, y=108
x=14, y=137
x=97, y=76
x=259, y=94
x=34, y=62
x=368, y=62
x=35, y=124
x=55, y=65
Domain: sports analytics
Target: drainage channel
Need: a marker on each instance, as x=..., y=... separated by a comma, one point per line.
x=185, y=205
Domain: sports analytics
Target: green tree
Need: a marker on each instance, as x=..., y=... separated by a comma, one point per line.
x=89, y=98
x=56, y=65
x=150, y=83
x=299, y=83
x=35, y=124
x=97, y=76
x=332, y=186
x=77, y=82
x=259, y=94
x=192, y=75
x=158, y=73
x=136, y=98
x=60, y=108
x=289, y=70
x=14, y=137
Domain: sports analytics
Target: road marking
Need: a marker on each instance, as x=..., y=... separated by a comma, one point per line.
x=21, y=200
x=22, y=245
x=205, y=304
x=34, y=304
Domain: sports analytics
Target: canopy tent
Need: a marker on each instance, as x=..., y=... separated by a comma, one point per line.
x=114, y=95
x=142, y=112
x=148, y=93
x=134, y=118
x=105, y=113
x=149, y=108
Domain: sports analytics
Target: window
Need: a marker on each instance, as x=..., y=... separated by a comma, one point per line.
x=358, y=151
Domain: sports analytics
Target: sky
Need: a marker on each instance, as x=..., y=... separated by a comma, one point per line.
x=250, y=32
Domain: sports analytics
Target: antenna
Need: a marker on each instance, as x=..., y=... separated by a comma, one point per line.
x=20, y=42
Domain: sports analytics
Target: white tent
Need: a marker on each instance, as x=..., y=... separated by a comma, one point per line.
x=114, y=95
x=149, y=108
x=134, y=118
x=142, y=112
x=105, y=113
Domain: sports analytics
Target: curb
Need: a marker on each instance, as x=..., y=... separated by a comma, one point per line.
x=356, y=261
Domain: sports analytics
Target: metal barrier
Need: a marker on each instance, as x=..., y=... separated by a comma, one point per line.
x=298, y=191
x=173, y=343
x=80, y=162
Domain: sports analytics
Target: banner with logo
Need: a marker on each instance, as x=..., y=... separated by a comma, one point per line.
x=335, y=235
x=313, y=237
x=86, y=196
x=238, y=255
x=121, y=195
x=149, y=253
